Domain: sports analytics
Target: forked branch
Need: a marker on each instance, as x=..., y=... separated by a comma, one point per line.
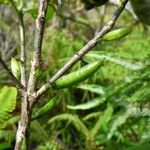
x=91, y=44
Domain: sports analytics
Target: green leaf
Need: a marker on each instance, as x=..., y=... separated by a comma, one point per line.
x=140, y=112
x=92, y=88
x=142, y=95
x=40, y=131
x=5, y=145
x=121, y=118
x=92, y=115
x=74, y=119
x=4, y=1
x=118, y=121
x=15, y=67
x=88, y=105
x=119, y=61
x=4, y=116
x=106, y=116
x=34, y=12
x=8, y=96
x=103, y=120
x=11, y=121
x=8, y=135
x=50, y=12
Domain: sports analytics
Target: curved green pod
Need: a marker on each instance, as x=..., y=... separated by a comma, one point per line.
x=45, y=109
x=116, y=34
x=76, y=77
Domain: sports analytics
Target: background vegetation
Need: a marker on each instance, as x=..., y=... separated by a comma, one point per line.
x=110, y=110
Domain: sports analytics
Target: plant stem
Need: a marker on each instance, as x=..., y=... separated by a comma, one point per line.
x=22, y=47
x=27, y=97
x=35, y=64
x=22, y=132
x=24, y=124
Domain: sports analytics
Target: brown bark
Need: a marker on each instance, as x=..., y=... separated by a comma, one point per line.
x=28, y=98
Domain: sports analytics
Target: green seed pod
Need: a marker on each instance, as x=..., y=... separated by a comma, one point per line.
x=45, y=109
x=117, y=34
x=15, y=68
x=77, y=76
x=89, y=4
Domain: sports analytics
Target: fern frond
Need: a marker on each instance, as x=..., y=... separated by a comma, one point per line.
x=4, y=115
x=11, y=121
x=131, y=88
x=122, y=117
x=8, y=135
x=74, y=119
x=39, y=131
x=88, y=105
x=92, y=115
x=146, y=135
x=92, y=88
x=140, y=112
x=5, y=145
x=8, y=97
x=119, y=61
x=52, y=145
x=142, y=95
x=118, y=121
x=103, y=120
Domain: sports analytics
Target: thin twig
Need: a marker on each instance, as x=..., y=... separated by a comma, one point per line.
x=22, y=132
x=22, y=42
x=22, y=46
x=12, y=77
x=91, y=44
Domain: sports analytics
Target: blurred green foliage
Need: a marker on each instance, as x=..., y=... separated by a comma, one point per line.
x=110, y=110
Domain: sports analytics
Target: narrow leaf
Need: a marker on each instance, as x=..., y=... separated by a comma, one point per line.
x=8, y=97
x=88, y=105
x=119, y=61
x=74, y=119
x=15, y=67
x=92, y=88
